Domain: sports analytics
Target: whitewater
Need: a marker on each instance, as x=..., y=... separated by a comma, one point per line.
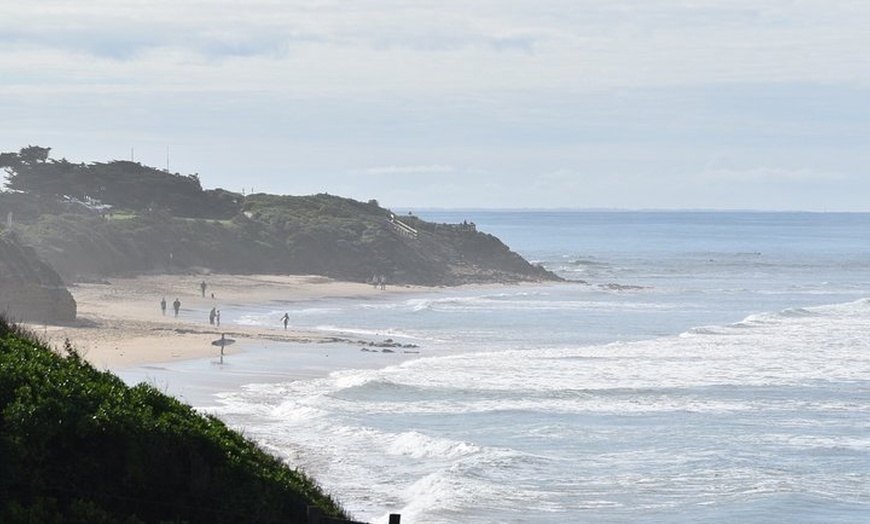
x=694, y=367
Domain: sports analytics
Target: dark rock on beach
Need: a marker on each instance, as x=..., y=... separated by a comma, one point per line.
x=30, y=290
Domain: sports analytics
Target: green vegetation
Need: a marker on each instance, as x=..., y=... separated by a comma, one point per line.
x=124, y=184
x=121, y=217
x=78, y=445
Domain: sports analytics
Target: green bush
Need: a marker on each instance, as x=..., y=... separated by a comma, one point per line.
x=78, y=445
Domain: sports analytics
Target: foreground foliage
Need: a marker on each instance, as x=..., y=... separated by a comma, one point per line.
x=78, y=445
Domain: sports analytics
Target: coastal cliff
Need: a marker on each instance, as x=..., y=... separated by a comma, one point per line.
x=30, y=290
x=122, y=218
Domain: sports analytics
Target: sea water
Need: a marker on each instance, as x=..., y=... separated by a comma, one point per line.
x=696, y=367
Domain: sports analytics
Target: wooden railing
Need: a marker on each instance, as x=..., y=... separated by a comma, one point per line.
x=402, y=227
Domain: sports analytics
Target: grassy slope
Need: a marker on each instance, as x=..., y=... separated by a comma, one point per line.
x=318, y=234
x=163, y=222
x=78, y=445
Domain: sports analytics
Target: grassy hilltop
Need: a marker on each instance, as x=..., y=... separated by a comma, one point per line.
x=79, y=446
x=124, y=218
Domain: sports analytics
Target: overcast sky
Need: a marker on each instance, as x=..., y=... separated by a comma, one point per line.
x=729, y=104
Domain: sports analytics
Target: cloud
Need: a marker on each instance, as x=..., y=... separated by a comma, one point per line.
x=375, y=44
x=131, y=30
x=772, y=174
x=404, y=170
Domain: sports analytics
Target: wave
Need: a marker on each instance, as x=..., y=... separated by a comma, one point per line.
x=478, y=486
x=588, y=262
x=380, y=332
x=834, y=311
x=709, y=330
x=370, y=387
x=800, y=312
x=420, y=446
x=788, y=316
x=512, y=299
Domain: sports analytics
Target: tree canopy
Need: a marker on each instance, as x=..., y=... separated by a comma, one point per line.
x=122, y=184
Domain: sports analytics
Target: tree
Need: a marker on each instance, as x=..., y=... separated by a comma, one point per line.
x=31, y=155
x=30, y=171
x=119, y=183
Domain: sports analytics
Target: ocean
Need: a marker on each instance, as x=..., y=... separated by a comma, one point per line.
x=696, y=367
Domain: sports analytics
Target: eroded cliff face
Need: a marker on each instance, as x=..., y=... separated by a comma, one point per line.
x=30, y=290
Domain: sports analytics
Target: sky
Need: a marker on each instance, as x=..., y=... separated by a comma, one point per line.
x=625, y=104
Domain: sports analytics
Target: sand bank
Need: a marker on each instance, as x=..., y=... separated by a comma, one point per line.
x=120, y=323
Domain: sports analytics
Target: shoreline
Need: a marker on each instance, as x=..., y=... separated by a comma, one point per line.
x=120, y=324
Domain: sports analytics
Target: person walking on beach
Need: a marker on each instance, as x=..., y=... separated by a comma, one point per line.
x=163, y=306
x=217, y=317
x=285, y=319
x=202, y=286
x=211, y=316
x=176, y=306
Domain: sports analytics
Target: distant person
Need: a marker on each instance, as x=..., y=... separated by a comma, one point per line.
x=217, y=317
x=163, y=306
x=285, y=319
x=202, y=286
x=211, y=316
x=176, y=306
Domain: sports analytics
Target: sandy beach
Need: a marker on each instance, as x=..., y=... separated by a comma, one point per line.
x=120, y=324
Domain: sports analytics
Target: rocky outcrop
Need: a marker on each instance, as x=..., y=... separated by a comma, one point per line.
x=30, y=290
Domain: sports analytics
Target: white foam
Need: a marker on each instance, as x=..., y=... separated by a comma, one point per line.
x=416, y=445
x=685, y=385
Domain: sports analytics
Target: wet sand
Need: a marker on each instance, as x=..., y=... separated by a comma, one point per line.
x=120, y=324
